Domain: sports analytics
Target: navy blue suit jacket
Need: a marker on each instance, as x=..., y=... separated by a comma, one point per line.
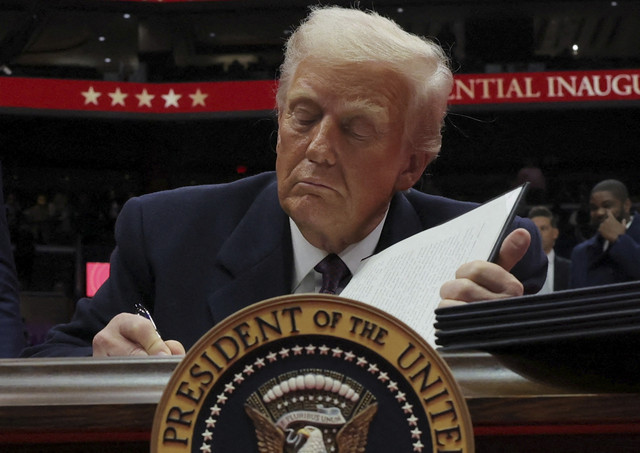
x=12, y=334
x=196, y=255
x=591, y=266
x=561, y=273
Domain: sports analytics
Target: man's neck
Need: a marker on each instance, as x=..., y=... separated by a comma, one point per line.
x=306, y=255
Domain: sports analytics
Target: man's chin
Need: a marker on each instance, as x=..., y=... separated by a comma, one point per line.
x=307, y=215
x=306, y=205
x=312, y=213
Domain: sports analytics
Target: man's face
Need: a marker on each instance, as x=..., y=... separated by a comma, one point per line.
x=603, y=201
x=548, y=233
x=340, y=151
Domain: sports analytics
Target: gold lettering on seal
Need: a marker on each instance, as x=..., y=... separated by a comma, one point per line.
x=439, y=404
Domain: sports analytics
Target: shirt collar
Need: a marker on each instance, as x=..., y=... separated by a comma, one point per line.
x=306, y=256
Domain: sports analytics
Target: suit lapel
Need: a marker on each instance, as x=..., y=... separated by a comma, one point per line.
x=402, y=222
x=595, y=252
x=255, y=262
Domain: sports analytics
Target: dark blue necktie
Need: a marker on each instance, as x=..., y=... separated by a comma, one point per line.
x=333, y=271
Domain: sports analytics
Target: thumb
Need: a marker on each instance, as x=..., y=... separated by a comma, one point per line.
x=513, y=248
x=175, y=347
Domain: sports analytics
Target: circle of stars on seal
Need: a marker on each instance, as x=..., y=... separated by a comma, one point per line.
x=311, y=349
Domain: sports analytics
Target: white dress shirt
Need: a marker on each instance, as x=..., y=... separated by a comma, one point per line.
x=548, y=283
x=306, y=256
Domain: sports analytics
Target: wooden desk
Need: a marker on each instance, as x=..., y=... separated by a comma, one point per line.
x=513, y=414
x=81, y=405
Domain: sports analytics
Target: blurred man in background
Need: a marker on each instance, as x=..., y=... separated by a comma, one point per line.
x=612, y=255
x=559, y=270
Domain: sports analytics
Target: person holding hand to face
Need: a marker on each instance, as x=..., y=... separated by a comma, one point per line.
x=612, y=255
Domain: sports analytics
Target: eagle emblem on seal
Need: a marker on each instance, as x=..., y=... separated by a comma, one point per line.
x=311, y=411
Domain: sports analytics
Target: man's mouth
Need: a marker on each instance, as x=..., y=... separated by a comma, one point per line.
x=315, y=183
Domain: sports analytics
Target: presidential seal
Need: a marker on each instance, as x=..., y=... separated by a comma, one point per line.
x=311, y=373
x=312, y=411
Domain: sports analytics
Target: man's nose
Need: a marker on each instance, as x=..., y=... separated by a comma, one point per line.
x=600, y=213
x=321, y=148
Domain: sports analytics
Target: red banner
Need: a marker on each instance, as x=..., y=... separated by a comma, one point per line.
x=536, y=87
x=259, y=95
x=170, y=1
x=156, y=98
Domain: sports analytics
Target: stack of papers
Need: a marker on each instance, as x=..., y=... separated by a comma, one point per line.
x=588, y=335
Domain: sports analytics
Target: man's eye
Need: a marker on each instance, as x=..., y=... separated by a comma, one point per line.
x=360, y=134
x=361, y=130
x=304, y=117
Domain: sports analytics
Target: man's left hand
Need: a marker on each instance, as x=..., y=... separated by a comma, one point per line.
x=481, y=280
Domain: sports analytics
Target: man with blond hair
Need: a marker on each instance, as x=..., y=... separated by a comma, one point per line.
x=360, y=106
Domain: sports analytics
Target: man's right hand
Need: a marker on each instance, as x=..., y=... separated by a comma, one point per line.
x=132, y=335
x=610, y=228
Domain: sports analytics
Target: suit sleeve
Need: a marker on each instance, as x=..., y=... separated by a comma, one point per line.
x=531, y=270
x=578, y=267
x=626, y=252
x=129, y=282
x=11, y=325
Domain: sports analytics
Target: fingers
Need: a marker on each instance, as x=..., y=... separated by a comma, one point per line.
x=513, y=248
x=131, y=335
x=480, y=280
x=175, y=347
x=445, y=303
x=611, y=228
x=141, y=331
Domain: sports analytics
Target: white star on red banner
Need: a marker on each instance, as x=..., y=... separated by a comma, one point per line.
x=144, y=99
x=171, y=99
x=91, y=96
x=117, y=97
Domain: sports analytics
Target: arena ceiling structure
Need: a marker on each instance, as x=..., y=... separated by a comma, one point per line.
x=91, y=51
x=165, y=40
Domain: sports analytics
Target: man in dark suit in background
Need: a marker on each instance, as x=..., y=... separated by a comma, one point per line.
x=559, y=270
x=612, y=255
x=360, y=110
x=12, y=333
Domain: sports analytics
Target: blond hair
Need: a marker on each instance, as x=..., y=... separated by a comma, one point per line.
x=336, y=36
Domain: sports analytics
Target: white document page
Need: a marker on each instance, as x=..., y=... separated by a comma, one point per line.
x=405, y=279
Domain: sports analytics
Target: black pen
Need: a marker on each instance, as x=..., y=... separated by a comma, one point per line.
x=142, y=311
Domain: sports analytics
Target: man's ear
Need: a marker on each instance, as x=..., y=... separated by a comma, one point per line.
x=627, y=207
x=417, y=162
